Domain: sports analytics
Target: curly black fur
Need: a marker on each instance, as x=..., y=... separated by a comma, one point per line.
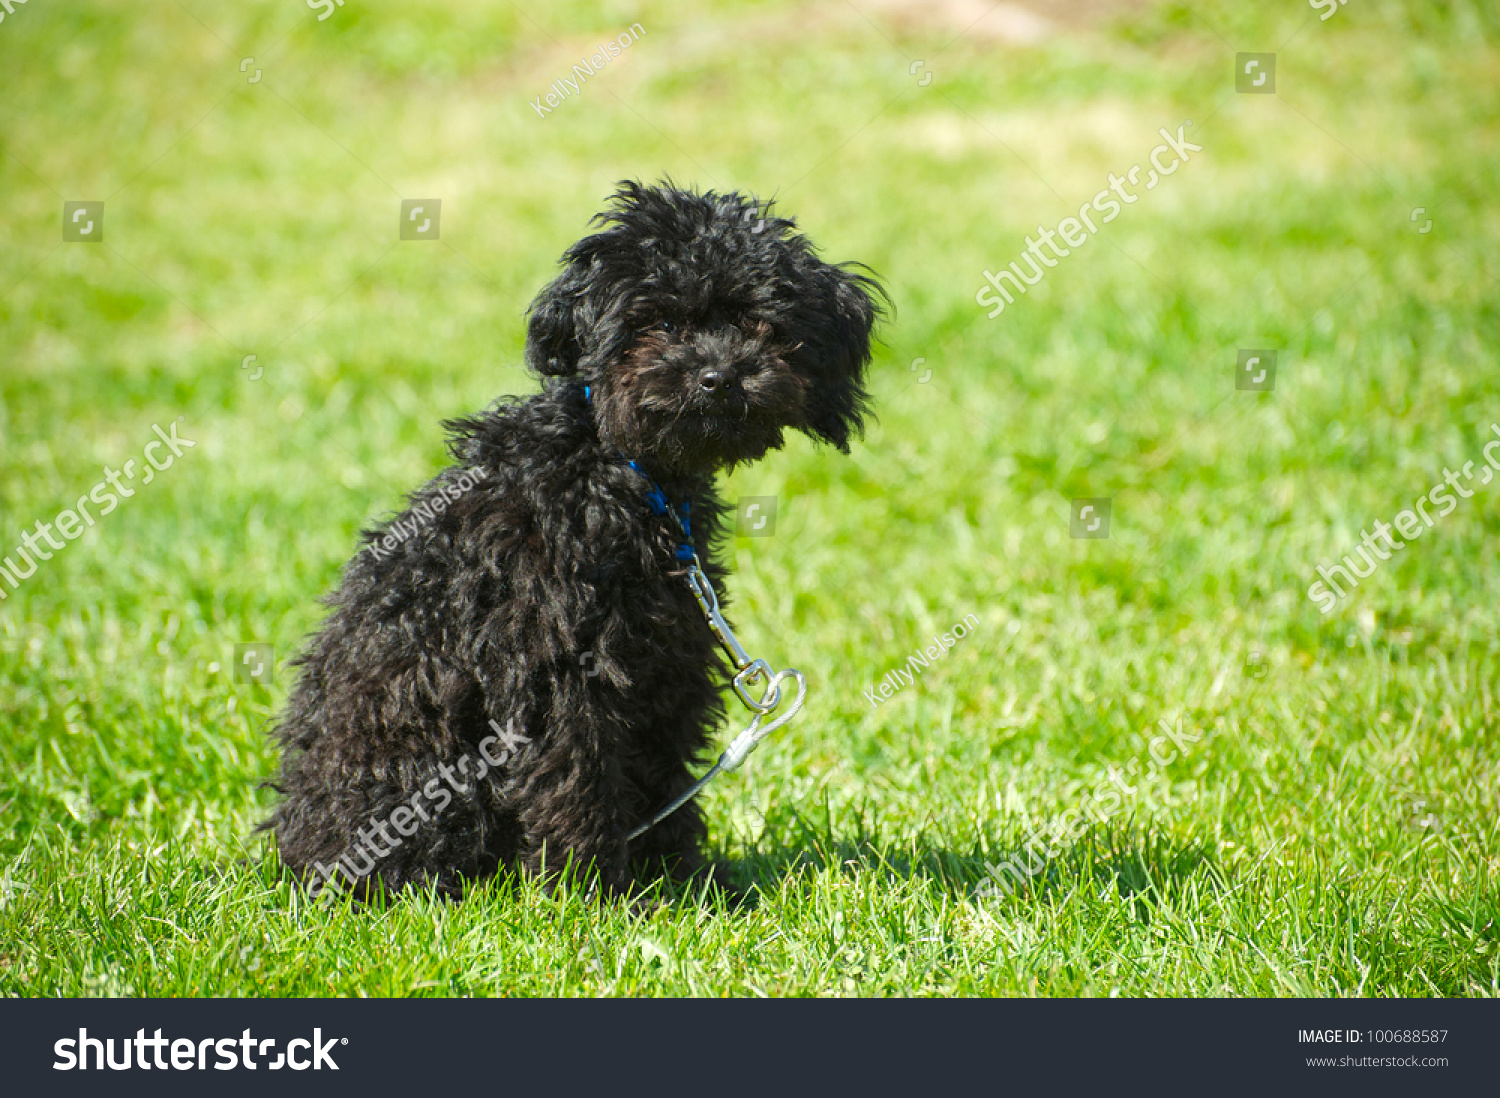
x=515, y=672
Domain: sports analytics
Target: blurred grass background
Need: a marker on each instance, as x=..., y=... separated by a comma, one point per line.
x=1334, y=830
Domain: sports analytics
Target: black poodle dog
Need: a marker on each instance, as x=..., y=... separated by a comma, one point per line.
x=515, y=672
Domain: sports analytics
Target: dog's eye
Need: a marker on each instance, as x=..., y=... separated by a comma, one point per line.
x=665, y=326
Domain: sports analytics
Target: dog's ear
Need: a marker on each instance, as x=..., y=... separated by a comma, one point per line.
x=838, y=342
x=552, y=346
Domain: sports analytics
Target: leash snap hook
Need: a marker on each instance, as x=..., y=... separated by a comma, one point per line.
x=748, y=672
x=748, y=740
x=754, y=672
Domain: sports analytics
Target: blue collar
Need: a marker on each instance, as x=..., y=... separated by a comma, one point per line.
x=683, y=515
x=657, y=499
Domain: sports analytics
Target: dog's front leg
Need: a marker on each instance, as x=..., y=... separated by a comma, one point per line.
x=569, y=810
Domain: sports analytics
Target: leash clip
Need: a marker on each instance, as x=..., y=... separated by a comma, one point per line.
x=748, y=672
x=747, y=741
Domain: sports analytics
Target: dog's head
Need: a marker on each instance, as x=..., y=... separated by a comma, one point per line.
x=705, y=327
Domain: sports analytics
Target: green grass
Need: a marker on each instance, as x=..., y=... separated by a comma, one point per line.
x=1332, y=830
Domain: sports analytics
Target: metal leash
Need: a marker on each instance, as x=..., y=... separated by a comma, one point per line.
x=747, y=671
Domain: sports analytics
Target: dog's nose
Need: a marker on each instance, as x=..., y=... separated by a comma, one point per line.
x=716, y=381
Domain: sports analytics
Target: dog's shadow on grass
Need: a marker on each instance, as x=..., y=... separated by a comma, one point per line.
x=1137, y=862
